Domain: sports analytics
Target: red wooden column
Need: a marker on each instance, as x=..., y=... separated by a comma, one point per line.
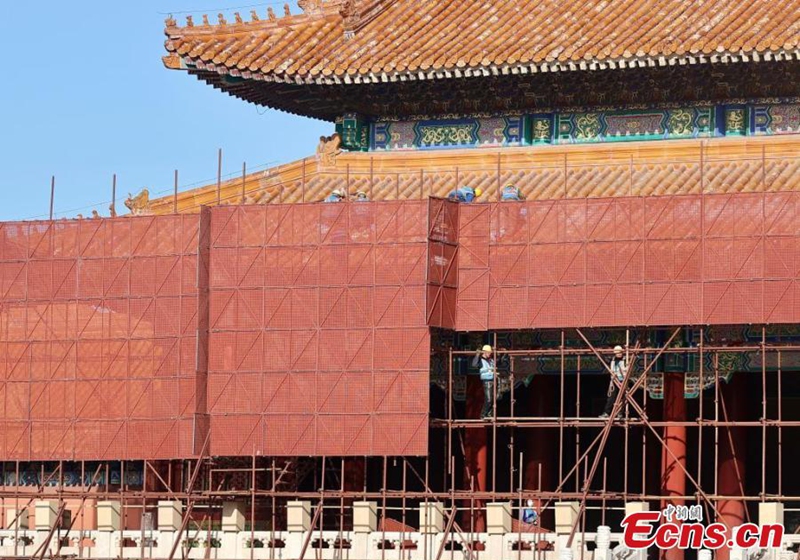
x=673, y=477
x=354, y=471
x=730, y=470
x=475, y=452
x=539, y=455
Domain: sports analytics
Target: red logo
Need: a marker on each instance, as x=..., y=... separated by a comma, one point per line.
x=643, y=530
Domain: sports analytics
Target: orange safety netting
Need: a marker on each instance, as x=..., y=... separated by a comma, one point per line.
x=305, y=329
x=318, y=334
x=97, y=338
x=673, y=260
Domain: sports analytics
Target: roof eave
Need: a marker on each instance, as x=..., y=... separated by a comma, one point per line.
x=177, y=62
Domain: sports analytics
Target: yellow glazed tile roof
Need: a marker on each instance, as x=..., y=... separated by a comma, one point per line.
x=339, y=41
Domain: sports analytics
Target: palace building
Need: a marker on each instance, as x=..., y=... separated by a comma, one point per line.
x=283, y=364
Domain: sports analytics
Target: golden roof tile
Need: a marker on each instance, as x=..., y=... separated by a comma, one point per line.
x=385, y=40
x=726, y=165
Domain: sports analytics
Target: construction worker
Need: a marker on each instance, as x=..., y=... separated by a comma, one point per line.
x=510, y=193
x=619, y=368
x=361, y=196
x=529, y=514
x=484, y=358
x=464, y=194
x=337, y=195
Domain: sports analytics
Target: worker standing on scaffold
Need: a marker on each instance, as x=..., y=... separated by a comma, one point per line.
x=619, y=368
x=484, y=358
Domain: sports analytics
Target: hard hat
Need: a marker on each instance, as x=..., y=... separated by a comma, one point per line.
x=338, y=192
x=486, y=348
x=618, y=348
x=478, y=192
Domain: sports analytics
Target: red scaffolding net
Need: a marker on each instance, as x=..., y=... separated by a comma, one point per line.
x=675, y=260
x=318, y=334
x=97, y=338
x=442, y=263
x=290, y=330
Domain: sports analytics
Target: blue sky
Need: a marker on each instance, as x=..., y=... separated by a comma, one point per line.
x=85, y=95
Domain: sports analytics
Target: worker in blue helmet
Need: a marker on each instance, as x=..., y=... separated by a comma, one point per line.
x=464, y=194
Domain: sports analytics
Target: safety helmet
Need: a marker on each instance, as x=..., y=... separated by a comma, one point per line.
x=486, y=348
x=618, y=348
x=478, y=192
x=338, y=192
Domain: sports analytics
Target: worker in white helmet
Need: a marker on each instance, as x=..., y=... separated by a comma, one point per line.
x=529, y=514
x=337, y=195
x=484, y=358
x=619, y=368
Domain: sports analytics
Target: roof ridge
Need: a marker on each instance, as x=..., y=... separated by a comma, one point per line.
x=272, y=21
x=358, y=13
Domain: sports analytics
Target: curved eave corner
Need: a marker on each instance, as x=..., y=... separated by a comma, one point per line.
x=173, y=62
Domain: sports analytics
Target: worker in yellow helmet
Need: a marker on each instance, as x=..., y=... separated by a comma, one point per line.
x=618, y=368
x=484, y=358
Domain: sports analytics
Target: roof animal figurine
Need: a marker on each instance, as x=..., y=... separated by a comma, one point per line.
x=310, y=7
x=139, y=205
x=328, y=148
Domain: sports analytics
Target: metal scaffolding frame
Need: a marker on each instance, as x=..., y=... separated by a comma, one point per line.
x=400, y=484
x=203, y=483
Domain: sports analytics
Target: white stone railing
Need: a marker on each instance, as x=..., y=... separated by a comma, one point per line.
x=236, y=545
x=364, y=542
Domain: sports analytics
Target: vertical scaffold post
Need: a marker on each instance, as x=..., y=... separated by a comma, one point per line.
x=219, y=176
x=371, y=177
x=303, y=187
x=175, y=193
x=244, y=180
x=253, y=500
x=113, y=207
x=52, y=195
x=499, y=179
